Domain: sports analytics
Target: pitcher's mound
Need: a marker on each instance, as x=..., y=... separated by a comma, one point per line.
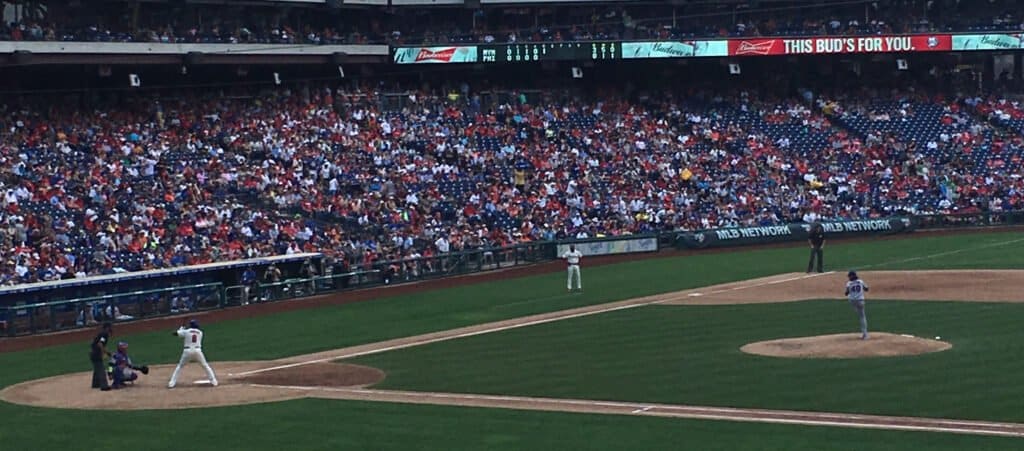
x=846, y=346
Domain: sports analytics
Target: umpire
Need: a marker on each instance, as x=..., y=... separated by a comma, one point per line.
x=816, y=236
x=97, y=354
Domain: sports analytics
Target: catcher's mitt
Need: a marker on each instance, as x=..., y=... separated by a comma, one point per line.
x=144, y=369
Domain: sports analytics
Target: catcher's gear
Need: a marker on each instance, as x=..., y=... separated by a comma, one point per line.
x=144, y=369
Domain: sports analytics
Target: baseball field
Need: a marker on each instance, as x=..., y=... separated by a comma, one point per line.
x=704, y=351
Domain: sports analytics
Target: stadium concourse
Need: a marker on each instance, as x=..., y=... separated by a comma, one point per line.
x=310, y=23
x=160, y=182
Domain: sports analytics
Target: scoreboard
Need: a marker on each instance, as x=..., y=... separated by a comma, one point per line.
x=539, y=52
x=549, y=51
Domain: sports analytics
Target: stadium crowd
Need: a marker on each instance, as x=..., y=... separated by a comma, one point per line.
x=215, y=23
x=163, y=182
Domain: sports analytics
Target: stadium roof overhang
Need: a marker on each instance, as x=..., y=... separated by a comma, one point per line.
x=110, y=53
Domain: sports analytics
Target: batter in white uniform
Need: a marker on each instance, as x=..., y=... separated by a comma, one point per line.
x=193, y=352
x=855, y=290
x=573, y=259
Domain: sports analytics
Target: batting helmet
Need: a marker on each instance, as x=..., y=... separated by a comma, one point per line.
x=193, y=324
x=852, y=275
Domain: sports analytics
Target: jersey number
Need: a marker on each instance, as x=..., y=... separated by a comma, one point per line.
x=195, y=338
x=855, y=289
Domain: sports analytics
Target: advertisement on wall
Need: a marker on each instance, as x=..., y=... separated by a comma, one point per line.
x=674, y=49
x=635, y=50
x=435, y=55
x=828, y=45
x=789, y=232
x=968, y=42
x=612, y=247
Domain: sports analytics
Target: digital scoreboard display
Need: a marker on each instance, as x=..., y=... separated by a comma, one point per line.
x=539, y=52
x=549, y=51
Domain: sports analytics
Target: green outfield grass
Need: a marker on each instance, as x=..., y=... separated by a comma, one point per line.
x=313, y=424
x=690, y=355
x=271, y=426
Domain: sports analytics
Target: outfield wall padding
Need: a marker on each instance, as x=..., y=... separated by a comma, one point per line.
x=744, y=236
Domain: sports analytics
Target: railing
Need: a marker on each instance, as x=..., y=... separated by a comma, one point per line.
x=73, y=313
x=962, y=220
x=38, y=317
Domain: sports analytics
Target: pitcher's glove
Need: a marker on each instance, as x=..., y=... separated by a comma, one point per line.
x=144, y=369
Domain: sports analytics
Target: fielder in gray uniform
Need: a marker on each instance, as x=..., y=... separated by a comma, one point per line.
x=855, y=290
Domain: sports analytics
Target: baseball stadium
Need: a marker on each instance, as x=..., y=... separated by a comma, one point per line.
x=512, y=225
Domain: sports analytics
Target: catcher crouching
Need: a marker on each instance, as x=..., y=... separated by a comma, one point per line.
x=121, y=369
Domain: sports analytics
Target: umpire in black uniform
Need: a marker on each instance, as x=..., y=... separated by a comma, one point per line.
x=816, y=236
x=97, y=354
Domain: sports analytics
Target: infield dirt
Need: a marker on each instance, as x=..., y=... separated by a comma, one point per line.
x=315, y=375
x=846, y=346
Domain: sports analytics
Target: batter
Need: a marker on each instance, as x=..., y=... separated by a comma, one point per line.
x=193, y=352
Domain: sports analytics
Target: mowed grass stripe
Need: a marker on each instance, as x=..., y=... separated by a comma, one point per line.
x=690, y=355
x=315, y=424
x=308, y=331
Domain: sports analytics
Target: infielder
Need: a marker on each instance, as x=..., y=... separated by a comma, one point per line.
x=193, y=352
x=572, y=257
x=855, y=290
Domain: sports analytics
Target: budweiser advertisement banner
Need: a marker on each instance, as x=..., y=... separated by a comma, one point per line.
x=817, y=45
x=674, y=49
x=1012, y=41
x=436, y=55
x=840, y=45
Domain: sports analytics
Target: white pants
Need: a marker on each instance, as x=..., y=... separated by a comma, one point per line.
x=574, y=272
x=192, y=355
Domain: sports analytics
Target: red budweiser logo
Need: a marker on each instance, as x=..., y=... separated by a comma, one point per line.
x=755, y=48
x=440, y=55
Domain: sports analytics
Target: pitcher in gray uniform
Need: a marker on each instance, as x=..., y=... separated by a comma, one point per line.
x=855, y=290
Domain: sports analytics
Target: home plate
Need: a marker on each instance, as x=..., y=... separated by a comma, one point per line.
x=203, y=382
x=693, y=295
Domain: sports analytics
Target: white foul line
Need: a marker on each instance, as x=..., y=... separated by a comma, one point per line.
x=744, y=287
x=806, y=418
x=559, y=317
x=442, y=338
x=943, y=254
x=555, y=316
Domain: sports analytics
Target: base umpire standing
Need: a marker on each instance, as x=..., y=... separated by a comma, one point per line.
x=816, y=236
x=97, y=354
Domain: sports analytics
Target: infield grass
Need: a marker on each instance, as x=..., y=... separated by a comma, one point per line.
x=313, y=424
x=690, y=355
x=300, y=424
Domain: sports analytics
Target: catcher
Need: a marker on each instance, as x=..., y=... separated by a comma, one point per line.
x=121, y=368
